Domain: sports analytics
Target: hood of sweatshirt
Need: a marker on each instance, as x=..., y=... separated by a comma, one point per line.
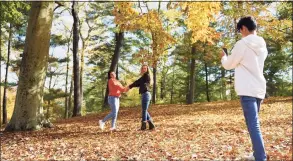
x=256, y=43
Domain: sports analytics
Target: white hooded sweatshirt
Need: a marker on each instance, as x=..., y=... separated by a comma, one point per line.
x=247, y=57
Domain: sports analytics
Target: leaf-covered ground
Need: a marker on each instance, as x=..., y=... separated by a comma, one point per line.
x=202, y=131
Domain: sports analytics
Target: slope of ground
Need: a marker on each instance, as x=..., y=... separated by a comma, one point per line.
x=202, y=131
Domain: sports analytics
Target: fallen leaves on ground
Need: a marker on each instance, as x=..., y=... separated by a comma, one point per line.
x=201, y=131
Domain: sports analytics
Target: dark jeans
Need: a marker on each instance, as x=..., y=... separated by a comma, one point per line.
x=145, y=102
x=251, y=107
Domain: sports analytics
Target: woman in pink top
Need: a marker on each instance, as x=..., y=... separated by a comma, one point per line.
x=115, y=90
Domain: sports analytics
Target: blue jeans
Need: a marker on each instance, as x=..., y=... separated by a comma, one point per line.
x=114, y=105
x=145, y=103
x=251, y=107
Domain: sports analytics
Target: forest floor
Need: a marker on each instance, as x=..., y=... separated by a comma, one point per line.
x=201, y=131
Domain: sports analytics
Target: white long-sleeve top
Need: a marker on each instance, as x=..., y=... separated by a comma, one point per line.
x=247, y=57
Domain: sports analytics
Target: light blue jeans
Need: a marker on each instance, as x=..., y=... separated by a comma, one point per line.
x=145, y=103
x=251, y=107
x=114, y=105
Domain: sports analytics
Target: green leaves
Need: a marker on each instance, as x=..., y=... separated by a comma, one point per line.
x=14, y=12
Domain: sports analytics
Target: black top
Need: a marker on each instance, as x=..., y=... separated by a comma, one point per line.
x=143, y=83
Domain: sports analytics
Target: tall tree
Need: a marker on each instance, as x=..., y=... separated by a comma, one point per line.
x=198, y=19
x=14, y=14
x=28, y=110
x=77, y=98
x=207, y=81
x=190, y=99
x=114, y=63
x=84, y=40
x=6, y=76
x=129, y=19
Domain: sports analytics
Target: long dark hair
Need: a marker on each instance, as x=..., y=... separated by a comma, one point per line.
x=109, y=74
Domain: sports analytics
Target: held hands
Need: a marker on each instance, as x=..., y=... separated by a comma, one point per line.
x=126, y=89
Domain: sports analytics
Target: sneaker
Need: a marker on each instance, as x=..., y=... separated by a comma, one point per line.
x=102, y=124
x=112, y=129
x=250, y=157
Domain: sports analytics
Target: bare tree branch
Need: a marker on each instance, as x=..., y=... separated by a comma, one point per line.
x=59, y=4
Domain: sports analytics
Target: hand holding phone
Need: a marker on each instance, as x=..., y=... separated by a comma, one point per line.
x=225, y=51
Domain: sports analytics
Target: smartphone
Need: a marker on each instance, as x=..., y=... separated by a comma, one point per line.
x=225, y=51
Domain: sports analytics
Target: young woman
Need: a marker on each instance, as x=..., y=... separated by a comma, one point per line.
x=144, y=83
x=115, y=90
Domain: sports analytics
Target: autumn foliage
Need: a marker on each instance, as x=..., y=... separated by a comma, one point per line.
x=201, y=131
x=129, y=19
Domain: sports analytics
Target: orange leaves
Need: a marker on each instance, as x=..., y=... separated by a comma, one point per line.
x=201, y=131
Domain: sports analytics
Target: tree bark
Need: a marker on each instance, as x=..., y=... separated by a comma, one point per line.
x=28, y=110
x=6, y=76
x=49, y=101
x=66, y=79
x=70, y=95
x=81, y=73
x=114, y=63
x=66, y=91
x=77, y=98
x=84, y=45
x=172, y=86
x=163, y=85
x=223, y=83
x=0, y=71
x=192, y=78
x=207, y=82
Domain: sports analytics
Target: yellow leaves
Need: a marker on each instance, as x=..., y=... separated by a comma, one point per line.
x=129, y=20
x=199, y=17
x=172, y=14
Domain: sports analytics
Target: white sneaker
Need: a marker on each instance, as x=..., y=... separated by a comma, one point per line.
x=102, y=124
x=112, y=129
x=250, y=157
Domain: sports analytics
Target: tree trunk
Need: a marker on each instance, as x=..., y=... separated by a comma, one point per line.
x=172, y=86
x=70, y=95
x=0, y=71
x=114, y=63
x=154, y=85
x=223, y=83
x=77, y=99
x=163, y=85
x=207, y=82
x=66, y=84
x=66, y=79
x=81, y=73
x=192, y=78
x=28, y=110
x=187, y=82
x=66, y=91
x=6, y=76
x=49, y=101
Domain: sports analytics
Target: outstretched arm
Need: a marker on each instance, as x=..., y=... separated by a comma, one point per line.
x=231, y=61
x=136, y=83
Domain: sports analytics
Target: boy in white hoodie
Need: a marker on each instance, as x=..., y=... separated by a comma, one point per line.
x=247, y=57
